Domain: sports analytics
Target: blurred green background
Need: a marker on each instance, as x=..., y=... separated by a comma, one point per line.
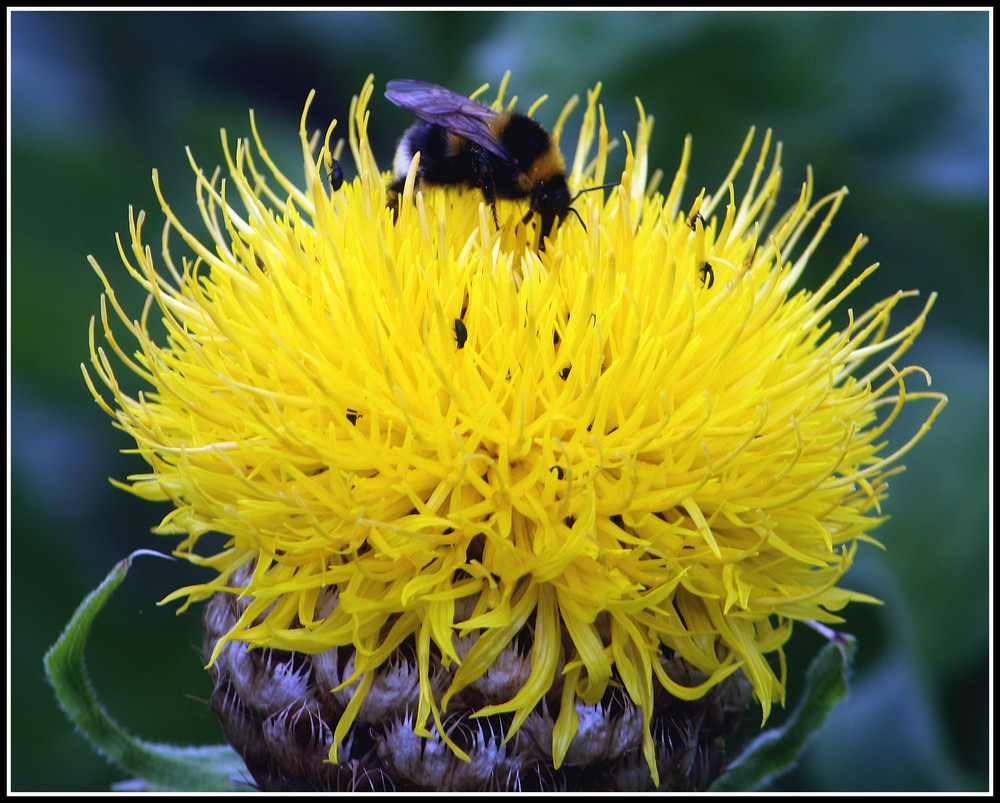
x=892, y=104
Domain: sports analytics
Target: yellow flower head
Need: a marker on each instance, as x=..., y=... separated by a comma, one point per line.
x=637, y=442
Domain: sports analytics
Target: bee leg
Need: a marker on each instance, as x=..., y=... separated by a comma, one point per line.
x=545, y=229
x=535, y=204
x=484, y=179
x=392, y=193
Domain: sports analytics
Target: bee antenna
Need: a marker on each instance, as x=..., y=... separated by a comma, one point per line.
x=581, y=192
x=591, y=189
x=571, y=209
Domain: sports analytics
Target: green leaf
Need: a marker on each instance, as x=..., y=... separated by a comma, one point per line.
x=160, y=766
x=774, y=752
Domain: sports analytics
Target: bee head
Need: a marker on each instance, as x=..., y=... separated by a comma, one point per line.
x=551, y=200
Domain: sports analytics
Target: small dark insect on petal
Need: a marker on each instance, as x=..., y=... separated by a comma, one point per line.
x=708, y=275
x=353, y=416
x=693, y=221
x=461, y=333
x=336, y=175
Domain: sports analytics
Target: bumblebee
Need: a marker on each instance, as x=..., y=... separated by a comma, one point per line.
x=503, y=154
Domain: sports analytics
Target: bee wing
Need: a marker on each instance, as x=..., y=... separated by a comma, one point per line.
x=451, y=111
